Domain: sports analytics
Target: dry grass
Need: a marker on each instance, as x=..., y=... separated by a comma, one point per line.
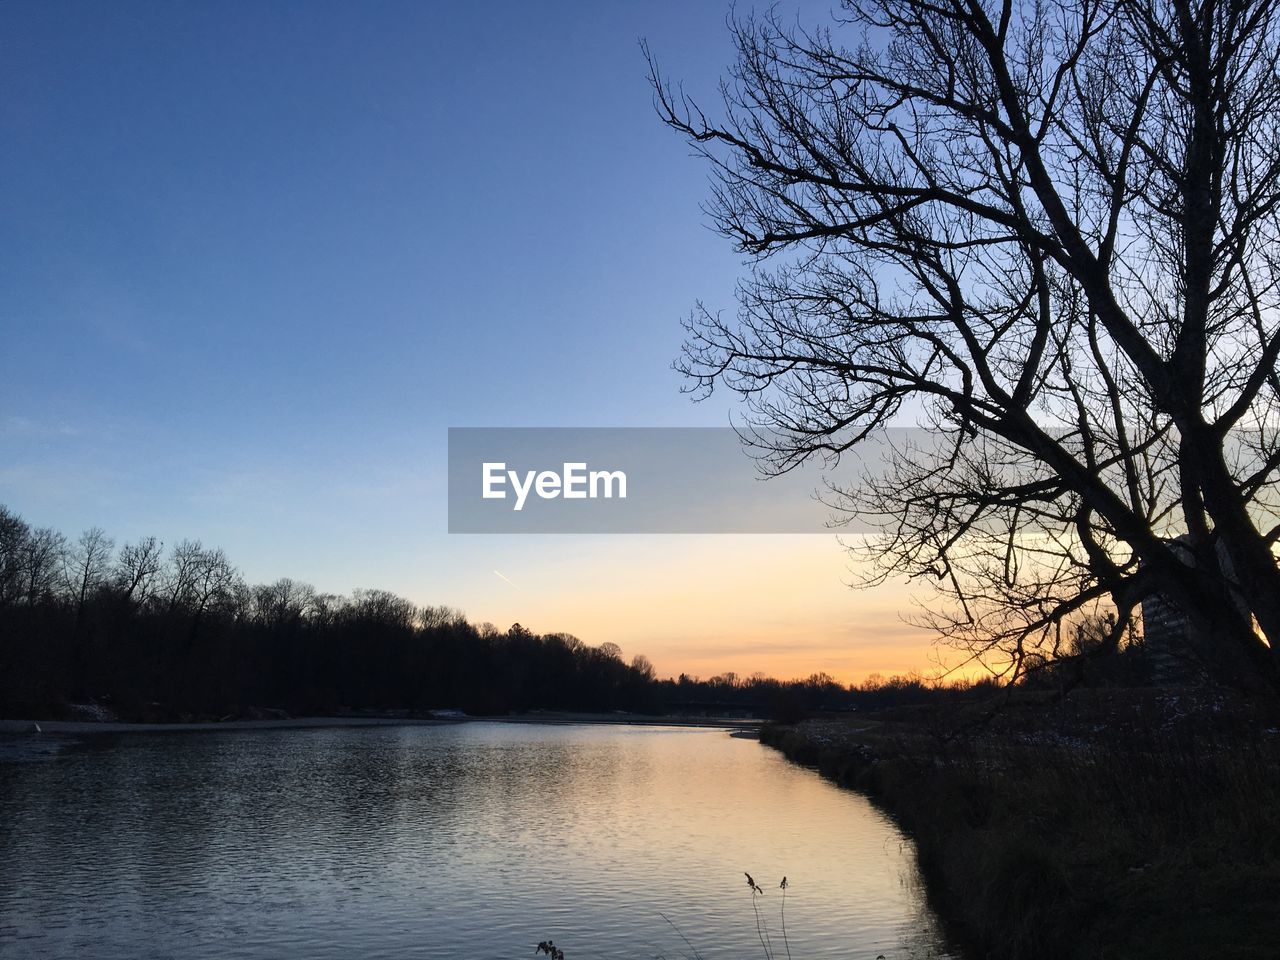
x=1145, y=840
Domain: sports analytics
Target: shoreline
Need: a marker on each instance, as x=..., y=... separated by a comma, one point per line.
x=1047, y=846
x=90, y=727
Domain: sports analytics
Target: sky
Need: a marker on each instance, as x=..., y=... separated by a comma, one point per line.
x=259, y=257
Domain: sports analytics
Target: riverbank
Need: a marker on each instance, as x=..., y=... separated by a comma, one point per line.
x=1117, y=824
x=86, y=727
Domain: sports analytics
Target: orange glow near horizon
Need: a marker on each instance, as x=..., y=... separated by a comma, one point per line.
x=705, y=606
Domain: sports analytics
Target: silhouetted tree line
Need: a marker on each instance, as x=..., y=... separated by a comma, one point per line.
x=791, y=700
x=161, y=633
x=152, y=633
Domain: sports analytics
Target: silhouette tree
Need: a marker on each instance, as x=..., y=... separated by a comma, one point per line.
x=1047, y=230
x=137, y=568
x=643, y=667
x=156, y=638
x=42, y=553
x=87, y=566
x=14, y=534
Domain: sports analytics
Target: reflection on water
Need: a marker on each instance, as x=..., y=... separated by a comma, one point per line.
x=472, y=841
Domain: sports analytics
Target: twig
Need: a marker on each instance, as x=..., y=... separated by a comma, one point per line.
x=786, y=943
x=680, y=933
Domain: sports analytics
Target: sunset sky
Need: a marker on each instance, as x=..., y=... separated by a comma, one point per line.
x=259, y=257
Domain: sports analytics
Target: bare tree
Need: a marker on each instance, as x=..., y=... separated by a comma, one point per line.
x=137, y=569
x=381, y=607
x=283, y=603
x=14, y=533
x=643, y=666
x=43, y=553
x=182, y=572
x=1049, y=230
x=87, y=566
x=198, y=579
x=434, y=617
x=214, y=581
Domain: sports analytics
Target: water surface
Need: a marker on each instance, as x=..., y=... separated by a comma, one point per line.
x=473, y=841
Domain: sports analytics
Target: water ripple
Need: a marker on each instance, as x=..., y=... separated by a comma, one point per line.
x=474, y=841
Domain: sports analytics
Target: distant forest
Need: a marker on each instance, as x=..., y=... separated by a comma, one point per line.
x=152, y=634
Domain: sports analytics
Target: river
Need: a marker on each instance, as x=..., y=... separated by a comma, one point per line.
x=472, y=841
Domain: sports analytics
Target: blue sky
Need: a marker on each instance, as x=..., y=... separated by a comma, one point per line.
x=259, y=256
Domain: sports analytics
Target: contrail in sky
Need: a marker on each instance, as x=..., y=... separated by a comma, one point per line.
x=501, y=577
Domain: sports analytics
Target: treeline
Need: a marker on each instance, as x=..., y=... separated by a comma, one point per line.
x=789, y=700
x=154, y=633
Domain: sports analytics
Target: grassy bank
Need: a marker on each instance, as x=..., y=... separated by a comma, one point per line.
x=1119, y=825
